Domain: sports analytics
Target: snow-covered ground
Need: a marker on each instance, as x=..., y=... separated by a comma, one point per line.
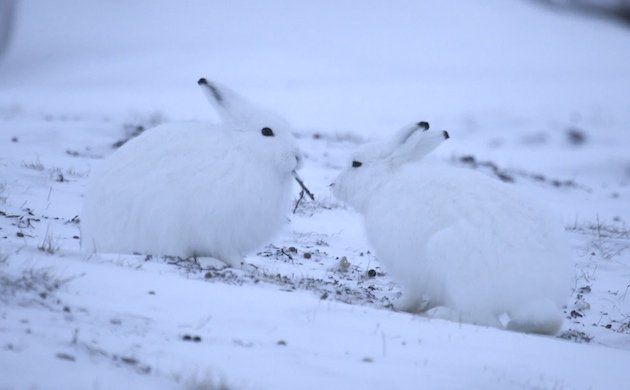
x=528, y=95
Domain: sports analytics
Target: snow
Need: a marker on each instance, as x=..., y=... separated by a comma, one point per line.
x=507, y=79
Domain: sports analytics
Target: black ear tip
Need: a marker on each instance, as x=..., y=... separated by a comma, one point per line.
x=218, y=96
x=446, y=136
x=423, y=125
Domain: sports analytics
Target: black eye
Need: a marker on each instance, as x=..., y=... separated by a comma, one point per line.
x=356, y=164
x=267, y=132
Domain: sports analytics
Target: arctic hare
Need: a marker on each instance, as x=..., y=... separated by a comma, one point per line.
x=195, y=189
x=463, y=246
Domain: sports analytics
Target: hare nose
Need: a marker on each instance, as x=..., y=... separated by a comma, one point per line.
x=331, y=185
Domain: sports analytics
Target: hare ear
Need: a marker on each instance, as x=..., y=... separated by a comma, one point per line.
x=211, y=91
x=416, y=141
x=231, y=107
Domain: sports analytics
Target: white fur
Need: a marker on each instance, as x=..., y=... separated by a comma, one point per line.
x=195, y=189
x=463, y=245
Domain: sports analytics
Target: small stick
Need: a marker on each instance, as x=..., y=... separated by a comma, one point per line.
x=303, y=191
x=301, y=183
x=297, y=204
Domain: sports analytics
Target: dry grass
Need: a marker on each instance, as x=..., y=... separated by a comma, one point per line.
x=610, y=239
x=3, y=197
x=31, y=284
x=35, y=165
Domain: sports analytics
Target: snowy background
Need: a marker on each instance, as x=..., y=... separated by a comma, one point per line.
x=529, y=94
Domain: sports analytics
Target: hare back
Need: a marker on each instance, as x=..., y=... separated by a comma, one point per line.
x=466, y=239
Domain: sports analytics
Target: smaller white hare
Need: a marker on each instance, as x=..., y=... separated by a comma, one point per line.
x=463, y=246
x=195, y=189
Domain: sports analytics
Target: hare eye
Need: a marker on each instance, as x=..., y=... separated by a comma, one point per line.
x=267, y=132
x=356, y=164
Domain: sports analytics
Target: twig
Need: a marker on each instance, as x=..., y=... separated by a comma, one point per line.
x=297, y=203
x=301, y=183
x=302, y=192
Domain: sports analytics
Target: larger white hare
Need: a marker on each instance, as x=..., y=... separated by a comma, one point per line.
x=463, y=246
x=195, y=189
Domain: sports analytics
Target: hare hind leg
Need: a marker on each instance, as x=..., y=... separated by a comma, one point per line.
x=412, y=303
x=541, y=316
x=236, y=262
